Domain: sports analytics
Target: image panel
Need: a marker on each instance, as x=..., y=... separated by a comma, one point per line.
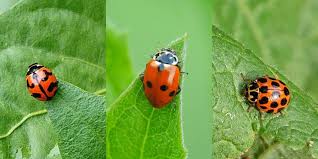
x=158, y=62
x=52, y=79
x=264, y=79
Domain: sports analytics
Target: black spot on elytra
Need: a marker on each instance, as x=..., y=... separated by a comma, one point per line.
x=282, y=82
x=263, y=107
x=47, y=75
x=163, y=87
x=36, y=95
x=275, y=84
x=270, y=111
x=274, y=105
x=149, y=84
x=283, y=101
x=45, y=78
x=30, y=85
x=262, y=80
x=52, y=86
x=263, y=89
x=254, y=96
x=172, y=93
x=42, y=90
x=264, y=100
x=286, y=91
x=253, y=86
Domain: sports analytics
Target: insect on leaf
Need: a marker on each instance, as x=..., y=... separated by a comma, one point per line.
x=135, y=129
x=237, y=132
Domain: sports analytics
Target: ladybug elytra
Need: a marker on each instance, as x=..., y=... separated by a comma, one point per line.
x=268, y=94
x=161, y=78
x=41, y=82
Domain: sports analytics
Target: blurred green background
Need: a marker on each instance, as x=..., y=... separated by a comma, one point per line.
x=151, y=25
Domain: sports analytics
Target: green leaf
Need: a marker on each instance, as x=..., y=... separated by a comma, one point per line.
x=118, y=64
x=93, y=9
x=237, y=132
x=282, y=34
x=137, y=130
x=36, y=137
x=79, y=119
x=15, y=62
x=64, y=35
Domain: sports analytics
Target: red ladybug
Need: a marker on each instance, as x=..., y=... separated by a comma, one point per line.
x=161, y=78
x=41, y=82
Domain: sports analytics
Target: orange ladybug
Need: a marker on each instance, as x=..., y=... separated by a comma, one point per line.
x=161, y=78
x=268, y=94
x=41, y=82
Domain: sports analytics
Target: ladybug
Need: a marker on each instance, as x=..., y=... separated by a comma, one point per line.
x=161, y=78
x=268, y=94
x=41, y=82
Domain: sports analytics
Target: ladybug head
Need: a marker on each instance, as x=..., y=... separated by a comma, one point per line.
x=34, y=67
x=166, y=56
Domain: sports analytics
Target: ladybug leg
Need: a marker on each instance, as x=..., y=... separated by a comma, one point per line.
x=179, y=66
x=244, y=79
x=281, y=113
x=184, y=72
x=262, y=116
x=178, y=91
x=141, y=77
x=250, y=107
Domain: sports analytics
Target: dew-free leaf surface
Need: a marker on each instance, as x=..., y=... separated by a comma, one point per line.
x=64, y=35
x=284, y=35
x=137, y=130
x=79, y=120
x=237, y=132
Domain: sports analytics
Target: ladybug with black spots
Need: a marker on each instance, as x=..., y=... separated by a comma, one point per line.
x=41, y=82
x=268, y=94
x=161, y=78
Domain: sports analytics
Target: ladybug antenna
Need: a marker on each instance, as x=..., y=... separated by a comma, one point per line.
x=244, y=78
x=163, y=49
x=184, y=73
x=168, y=50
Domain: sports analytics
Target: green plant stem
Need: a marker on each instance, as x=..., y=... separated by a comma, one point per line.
x=40, y=112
